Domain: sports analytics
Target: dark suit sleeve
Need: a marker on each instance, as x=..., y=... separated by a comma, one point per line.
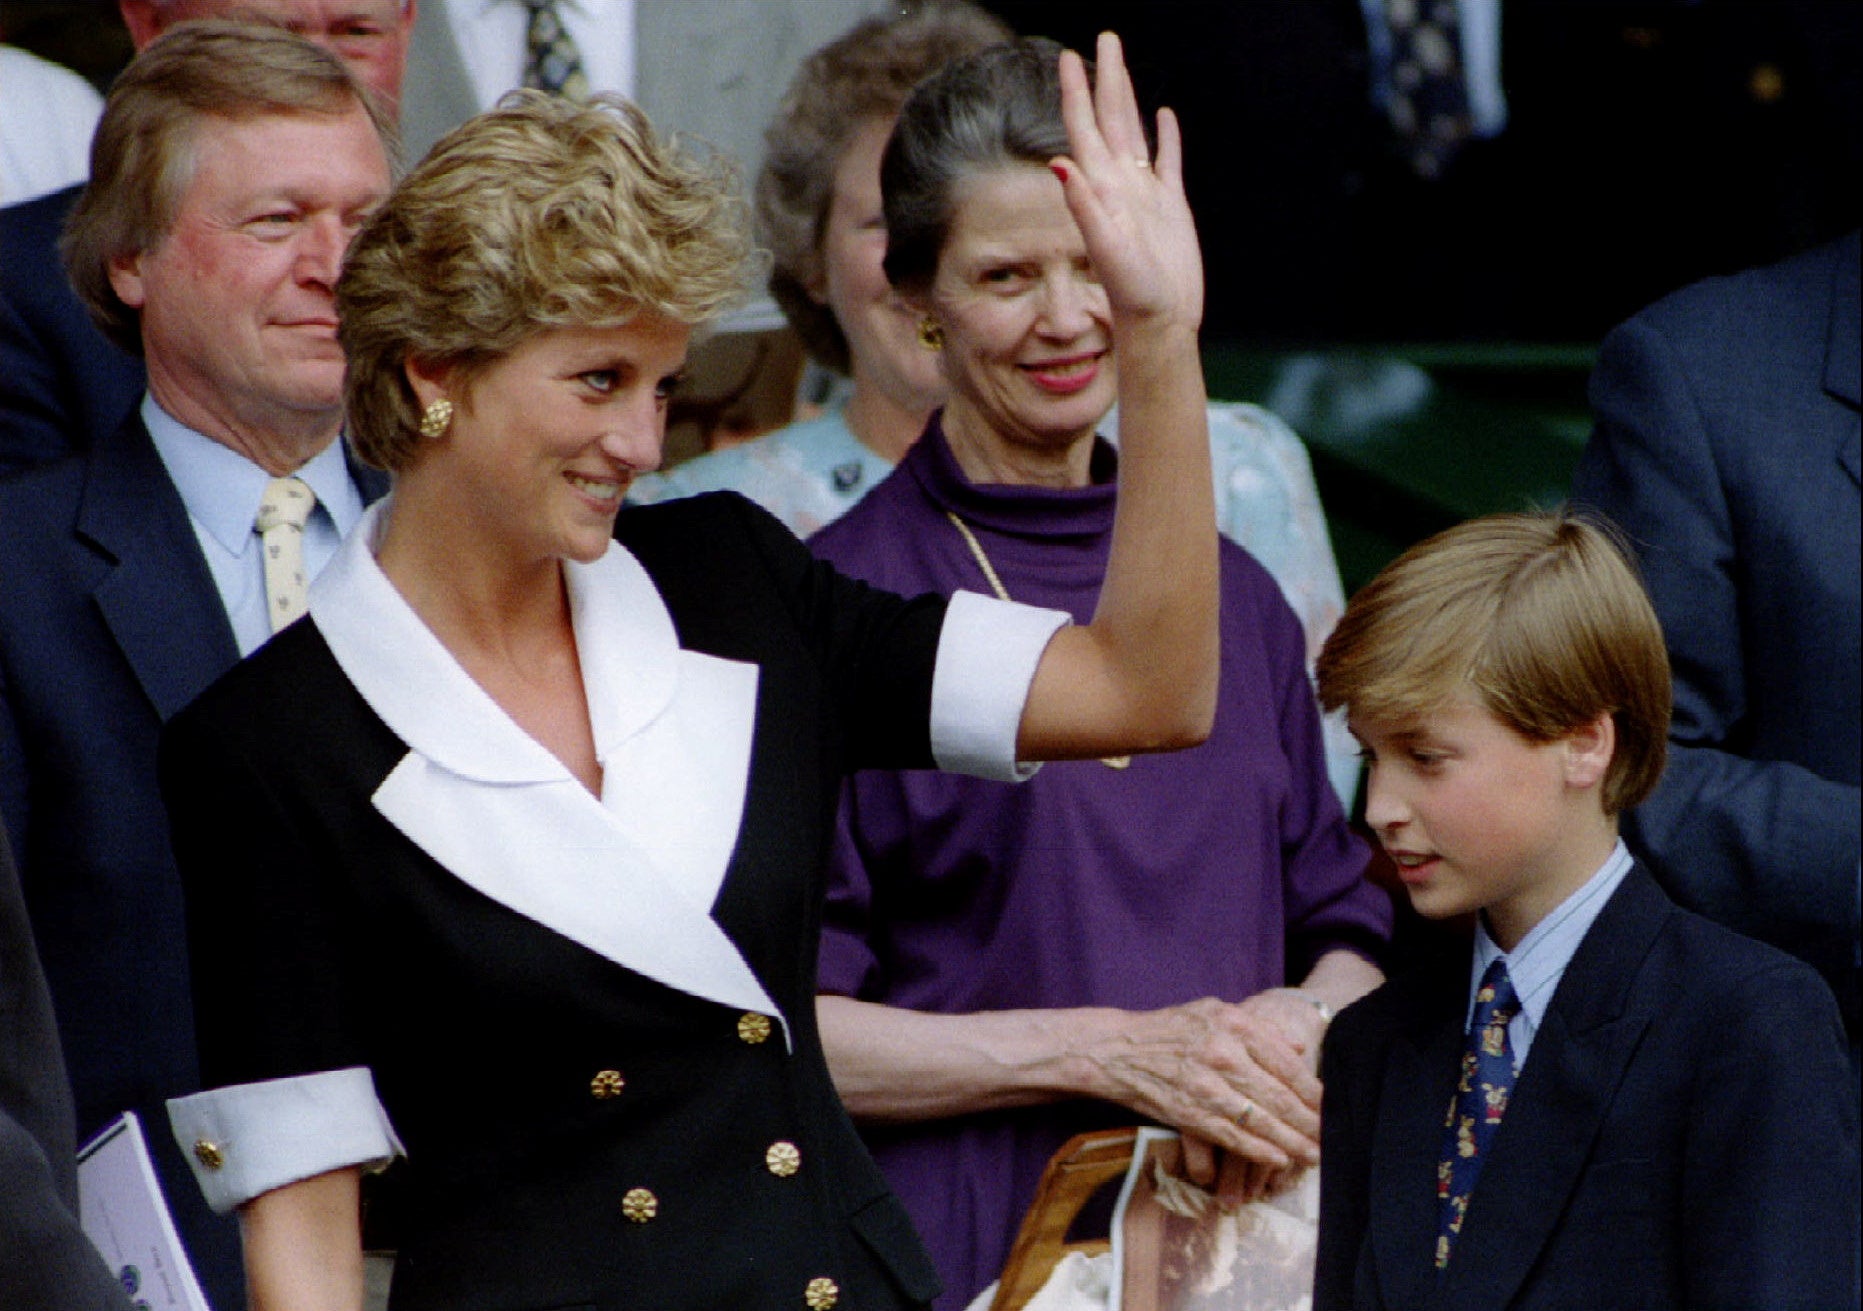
x=46, y=1262
x=1770, y=1184
x=1768, y=848
x=264, y=915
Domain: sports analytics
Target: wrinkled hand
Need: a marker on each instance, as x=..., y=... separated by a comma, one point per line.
x=1227, y=1076
x=1130, y=208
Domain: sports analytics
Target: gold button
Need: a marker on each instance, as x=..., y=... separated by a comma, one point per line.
x=783, y=1159
x=607, y=1084
x=640, y=1205
x=821, y=1293
x=753, y=1028
x=209, y=1154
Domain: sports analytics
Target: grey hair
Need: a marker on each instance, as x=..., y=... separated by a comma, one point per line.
x=998, y=107
x=861, y=76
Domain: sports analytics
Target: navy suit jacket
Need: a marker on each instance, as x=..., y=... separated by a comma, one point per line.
x=1682, y=1134
x=109, y=624
x=1727, y=447
x=61, y=380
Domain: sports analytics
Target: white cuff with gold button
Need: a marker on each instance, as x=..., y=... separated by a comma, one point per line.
x=250, y=1138
x=987, y=654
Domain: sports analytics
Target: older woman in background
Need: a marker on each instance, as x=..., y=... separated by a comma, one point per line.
x=818, y=211
x=511, y=856
x=1005, y=968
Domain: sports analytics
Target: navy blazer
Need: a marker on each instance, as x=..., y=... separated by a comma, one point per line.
x=61, y=380
x=1683, y=1134
x=109, y=624
x=1727, y=447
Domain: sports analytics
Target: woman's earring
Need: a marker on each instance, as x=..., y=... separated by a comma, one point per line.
x=931, y=336
x=435, y=419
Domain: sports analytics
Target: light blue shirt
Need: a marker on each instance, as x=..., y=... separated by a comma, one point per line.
x=1538, y=961
x=222, y=489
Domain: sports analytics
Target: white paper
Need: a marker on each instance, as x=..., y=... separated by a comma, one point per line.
x=121, y=1207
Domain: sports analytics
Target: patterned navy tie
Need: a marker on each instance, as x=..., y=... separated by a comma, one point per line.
x=1429, y=101
x=551, y=61
x=1480, y=1100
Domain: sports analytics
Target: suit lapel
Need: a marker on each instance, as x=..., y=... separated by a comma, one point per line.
x=1567, y=1086
x=158, y=599
x=1419, y=1083
x=631, y=876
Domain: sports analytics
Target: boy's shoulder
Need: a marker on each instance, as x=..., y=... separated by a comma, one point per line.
x=1644, y=954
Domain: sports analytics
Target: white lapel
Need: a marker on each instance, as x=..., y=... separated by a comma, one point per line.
x=632, y=876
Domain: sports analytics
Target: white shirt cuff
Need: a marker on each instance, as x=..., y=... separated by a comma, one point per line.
x=987, y=654
x=250, y=1138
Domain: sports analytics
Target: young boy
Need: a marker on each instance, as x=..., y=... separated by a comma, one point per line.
x=1616, y=1103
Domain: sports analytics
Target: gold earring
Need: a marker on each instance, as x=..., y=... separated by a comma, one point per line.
x=931, y=336
x=435, y=419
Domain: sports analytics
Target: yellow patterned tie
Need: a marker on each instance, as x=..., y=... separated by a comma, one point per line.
x=551, y=61
x=287, y=503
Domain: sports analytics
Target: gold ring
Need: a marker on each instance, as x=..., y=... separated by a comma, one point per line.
x=1248, y=1112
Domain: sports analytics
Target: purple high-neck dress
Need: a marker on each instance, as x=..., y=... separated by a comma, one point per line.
x=1218, y=871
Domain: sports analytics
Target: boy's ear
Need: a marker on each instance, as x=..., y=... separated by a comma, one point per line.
x=1589, y=749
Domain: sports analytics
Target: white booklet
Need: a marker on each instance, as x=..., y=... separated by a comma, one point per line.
x=121, y=1207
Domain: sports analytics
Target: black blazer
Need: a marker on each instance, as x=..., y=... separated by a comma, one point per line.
x=109, y=624
x=1683, y=1134
x=326, y=936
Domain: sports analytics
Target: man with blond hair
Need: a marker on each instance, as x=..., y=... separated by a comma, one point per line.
x=142, y=567
x=62, y=383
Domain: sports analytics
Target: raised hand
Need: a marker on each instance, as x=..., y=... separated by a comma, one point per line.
x=1131, y=208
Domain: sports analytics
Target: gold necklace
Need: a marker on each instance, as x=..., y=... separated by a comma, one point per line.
x=1002, y=594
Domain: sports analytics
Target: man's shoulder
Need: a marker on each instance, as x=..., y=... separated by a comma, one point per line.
x=42, y=216
x=1785, y=301
x=38, y=506
x=29, y=233
x=1416, y=995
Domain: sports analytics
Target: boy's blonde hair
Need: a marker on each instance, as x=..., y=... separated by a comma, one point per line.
x=1541, y=616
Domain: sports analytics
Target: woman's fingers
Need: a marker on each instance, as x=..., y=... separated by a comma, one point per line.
x=1115, y=105
x=1131, y=209
x=1209, y=1068
x=1169, y=165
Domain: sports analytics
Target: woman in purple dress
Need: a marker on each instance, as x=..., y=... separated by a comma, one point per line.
x=1152, y=938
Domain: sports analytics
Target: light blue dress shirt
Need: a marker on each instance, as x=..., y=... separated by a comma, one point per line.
x=222, y=488
x=1538, y=961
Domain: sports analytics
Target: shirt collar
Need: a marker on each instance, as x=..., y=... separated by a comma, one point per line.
x=624, y=637
x=1538, y=960
x=222, y=488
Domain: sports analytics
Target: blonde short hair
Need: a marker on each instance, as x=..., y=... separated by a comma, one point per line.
x=143, y=156
x=539, y=214
x=1541, y=616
